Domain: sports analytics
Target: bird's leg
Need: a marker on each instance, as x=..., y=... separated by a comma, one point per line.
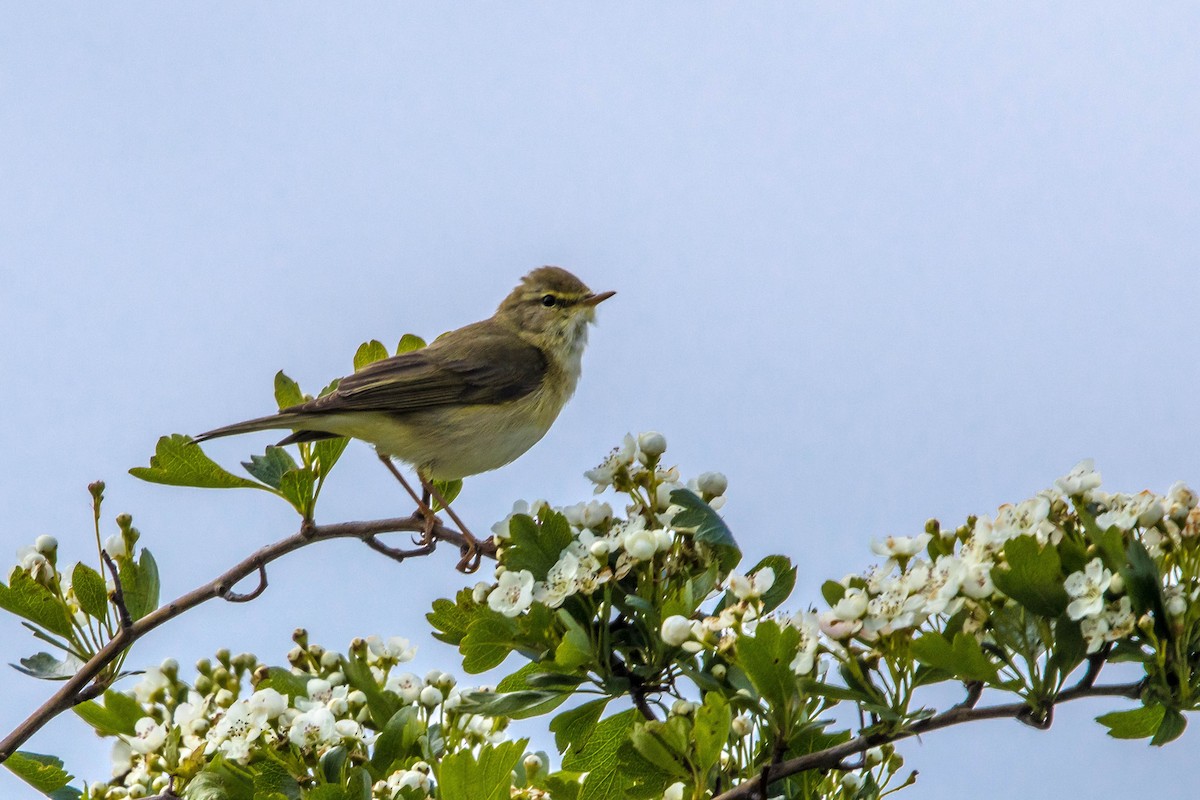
x=423, y=508
x=472, y=548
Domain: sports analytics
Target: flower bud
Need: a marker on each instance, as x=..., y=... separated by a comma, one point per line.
x=480, y=591
x=430, y=696
x=712, y=484
x=676, y=630
x=674, y=791
x=169, y=667
x=533, y=764
x=46, y=545
x=851, y=781
x=718, y=671
x=652, y=443
x=873, y=756
x=682, y=708
x=741, y=725
x=330, y=659
x=1117, y=584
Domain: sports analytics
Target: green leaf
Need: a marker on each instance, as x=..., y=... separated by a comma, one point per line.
x=270, y=467
x=140, y=585
x=395, y=739
x=506, y=704
x=1172, y=727
x=533, y=676
x=326, y=452
x=380, y=704
x=65, y=793
x=287, y=391
x=27, y=598
x=1070, y=649
x=44, y=773
x=1033, y=578
x=709, y=528
x=118, y=715
x=178, y=461
x=536, y=546
x=963, y=657
x=46, y=667
x=332, y=763
x=451, y=620
x=711, y=730
x=1144, y=586
x=574, y=728
x=785, y=581
x=488, y=642
x=598, y=754
x=489, y=777
x=284, y=682
x=409, y=342
x=1135, y=723
x=90, y=590
x=271, y=779
x=575, y=649
x=833, y=592
x=297, y=487
x=766, y=659
x=369, y=353
x=448, y=490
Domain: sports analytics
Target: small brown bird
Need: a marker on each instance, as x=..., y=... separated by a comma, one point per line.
x=473, y=400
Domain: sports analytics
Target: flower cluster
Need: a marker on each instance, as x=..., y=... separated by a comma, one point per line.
x=602, y=547
x=293, y=717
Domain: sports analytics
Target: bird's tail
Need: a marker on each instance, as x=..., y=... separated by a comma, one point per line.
x=273, y=422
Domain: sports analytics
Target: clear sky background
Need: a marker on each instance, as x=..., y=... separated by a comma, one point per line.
x=875, y=262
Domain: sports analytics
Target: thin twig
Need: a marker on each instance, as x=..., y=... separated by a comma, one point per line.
x=832, y=756
x=79, y=687
x=227, y=593
x=118, y=597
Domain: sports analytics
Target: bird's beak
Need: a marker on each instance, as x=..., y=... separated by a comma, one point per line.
x=593, y=300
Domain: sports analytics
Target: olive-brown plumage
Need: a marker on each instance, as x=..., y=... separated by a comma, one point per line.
x=473, y=400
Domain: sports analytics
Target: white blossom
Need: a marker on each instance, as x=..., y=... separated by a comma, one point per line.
x=1087, y=590
x=513, y=593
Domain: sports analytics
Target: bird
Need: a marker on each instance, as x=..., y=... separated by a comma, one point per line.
x=473, y=400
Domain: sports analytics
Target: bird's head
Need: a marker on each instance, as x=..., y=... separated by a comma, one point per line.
x=551, y=309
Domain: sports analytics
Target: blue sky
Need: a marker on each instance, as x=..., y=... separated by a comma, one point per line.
x=875, y=262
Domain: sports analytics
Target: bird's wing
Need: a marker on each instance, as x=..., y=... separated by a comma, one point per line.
x=480, y=364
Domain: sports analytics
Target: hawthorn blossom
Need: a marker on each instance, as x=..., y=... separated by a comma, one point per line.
x=1087, y=590
x=513, y=593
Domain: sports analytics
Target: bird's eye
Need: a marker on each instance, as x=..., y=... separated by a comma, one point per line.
x=549, y=300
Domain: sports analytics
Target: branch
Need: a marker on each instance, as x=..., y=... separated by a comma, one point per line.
x=832, y=757
x=80, y=687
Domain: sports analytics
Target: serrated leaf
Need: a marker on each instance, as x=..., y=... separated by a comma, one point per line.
x=178, y=461
x=1134, y=723
x=270, y=467
x=90, y=590
x=600, y=749
x=369, y=353
x=463, y=776
x=272, y=780
x=297, y=487
x=451, y=620
x=711, y=729
x=42, y=772
x=573, y=728
x=287, y=391
x=707, y=525
x=27, y=598
x=1033, y=578
x=536, y=546
x=409, y=342
x=766, y=659
x=48, y=668
x=488, y=642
